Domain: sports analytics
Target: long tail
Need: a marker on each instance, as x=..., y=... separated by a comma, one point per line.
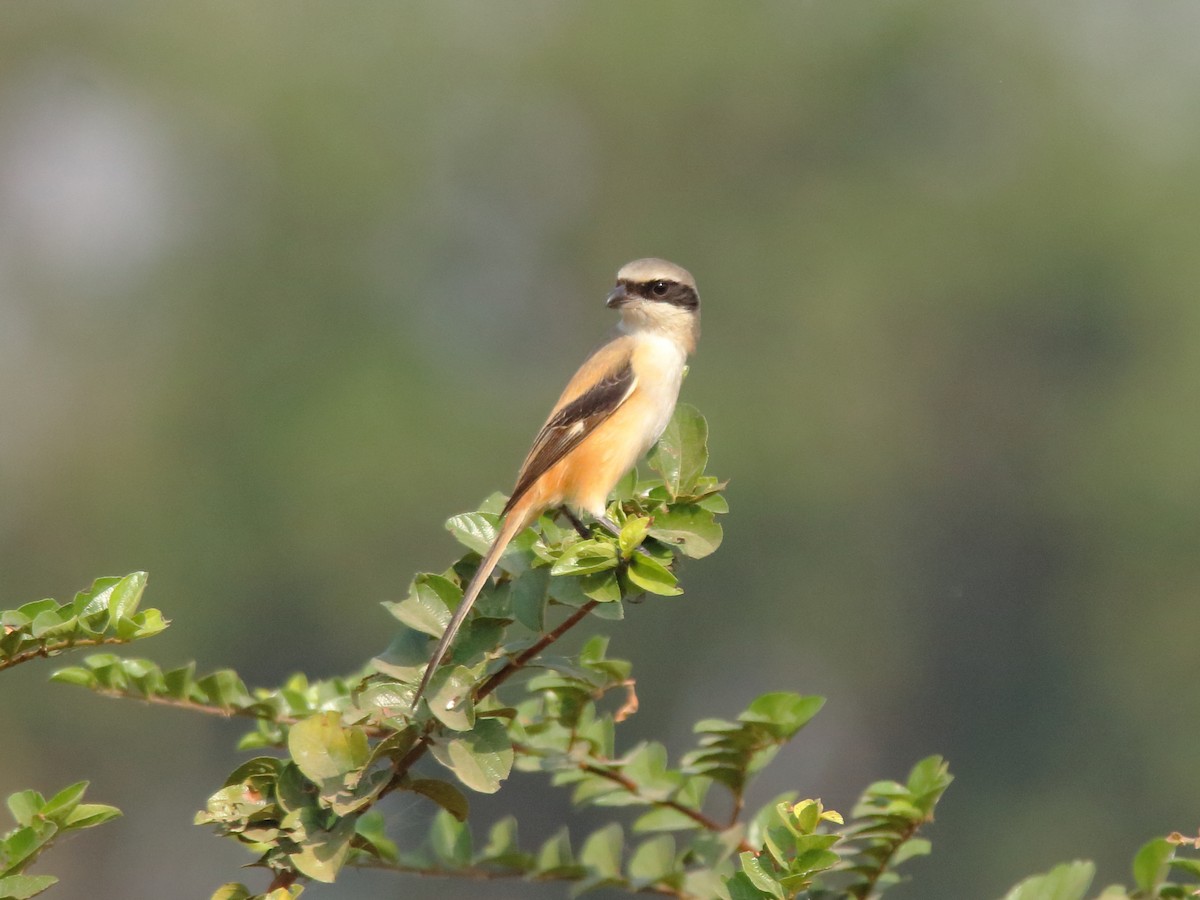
x=514, y=523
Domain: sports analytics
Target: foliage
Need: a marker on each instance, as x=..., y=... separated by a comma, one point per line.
x=1153, y=867
x=502, y=701
x=39, y=822
x=107, y=613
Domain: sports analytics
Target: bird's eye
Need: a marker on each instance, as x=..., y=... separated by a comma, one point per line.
x=659, y=288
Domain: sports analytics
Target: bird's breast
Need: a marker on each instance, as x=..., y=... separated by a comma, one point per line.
x=658, y=364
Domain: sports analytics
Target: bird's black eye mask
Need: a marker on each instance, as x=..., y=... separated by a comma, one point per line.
x=663, y=291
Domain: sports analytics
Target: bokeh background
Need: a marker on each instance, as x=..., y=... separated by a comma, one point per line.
x=283, y=286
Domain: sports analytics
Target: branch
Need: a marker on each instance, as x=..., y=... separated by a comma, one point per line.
x=739, y=802
x=520, y=660
x=47, y=650
x=254, y=711
x=477, y=873
x=868, y=885
x=419, y=748
x=631, y=786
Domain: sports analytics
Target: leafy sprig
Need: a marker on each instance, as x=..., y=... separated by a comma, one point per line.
x=508, y=698
x=39, y=823
x=106, y=613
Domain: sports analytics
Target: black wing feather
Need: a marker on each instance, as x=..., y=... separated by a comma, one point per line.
x=570, y=425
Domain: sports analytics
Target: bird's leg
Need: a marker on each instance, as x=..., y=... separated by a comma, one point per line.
x=604, y=522
x=612, y=528
x=574, y=519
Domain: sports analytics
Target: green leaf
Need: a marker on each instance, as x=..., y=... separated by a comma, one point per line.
x=478, y=637
x=429, y=604
x=653, y=861
x=30, y=611
x=689, y=527
x=324, y=750
x=528, y=595
x=601, y=853
x=1190, y=866
x=681, y=453
x=451, y=839
x=481, y=758
x=241, y=892
x=50, y=623
x=928, y=781
x=388, y=697
x=633, y=532
x=222, y=688
x=652, y=576
x=23, y=844
x=19, y=887
x=147, y=623
x=586, y=557
x=58, y=806
x=370, y=829
x=502, y=847
x=323, y=852
x=714, y=503
x=602, y=586
x=1068, y=881
x=75, y=675
x=25, y=806
x=753, y=867
x=911, y=849
x=89, y=602
x=1151, y=863
x=782, y=712
x=647, y=766
x=555, y=859
x=742, y=888
x=664, y=818
x=405, y=657
x=126, y=594
x=86, y=815
x=477, y=531
x=443, y=793
x=450, y=697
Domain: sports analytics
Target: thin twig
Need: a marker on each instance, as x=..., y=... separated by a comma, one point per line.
x=477, y=873
x=632, y=787
x=48, y=650
x=419, y=748
x=226, y=712
x=518, y=662
x=739, y=802
x=868, y=886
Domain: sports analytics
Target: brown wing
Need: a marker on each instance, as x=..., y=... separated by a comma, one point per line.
x=567, y=428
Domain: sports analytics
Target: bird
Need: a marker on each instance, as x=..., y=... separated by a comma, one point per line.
x=611, y=412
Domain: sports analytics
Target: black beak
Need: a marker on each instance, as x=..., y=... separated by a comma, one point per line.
x=617, y=297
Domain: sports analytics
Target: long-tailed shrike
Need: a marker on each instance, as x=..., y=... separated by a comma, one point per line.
x=612, y=411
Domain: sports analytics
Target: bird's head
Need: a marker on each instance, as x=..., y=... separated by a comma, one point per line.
x=658, y=296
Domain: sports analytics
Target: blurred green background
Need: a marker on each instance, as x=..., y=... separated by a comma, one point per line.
x=283, y=286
